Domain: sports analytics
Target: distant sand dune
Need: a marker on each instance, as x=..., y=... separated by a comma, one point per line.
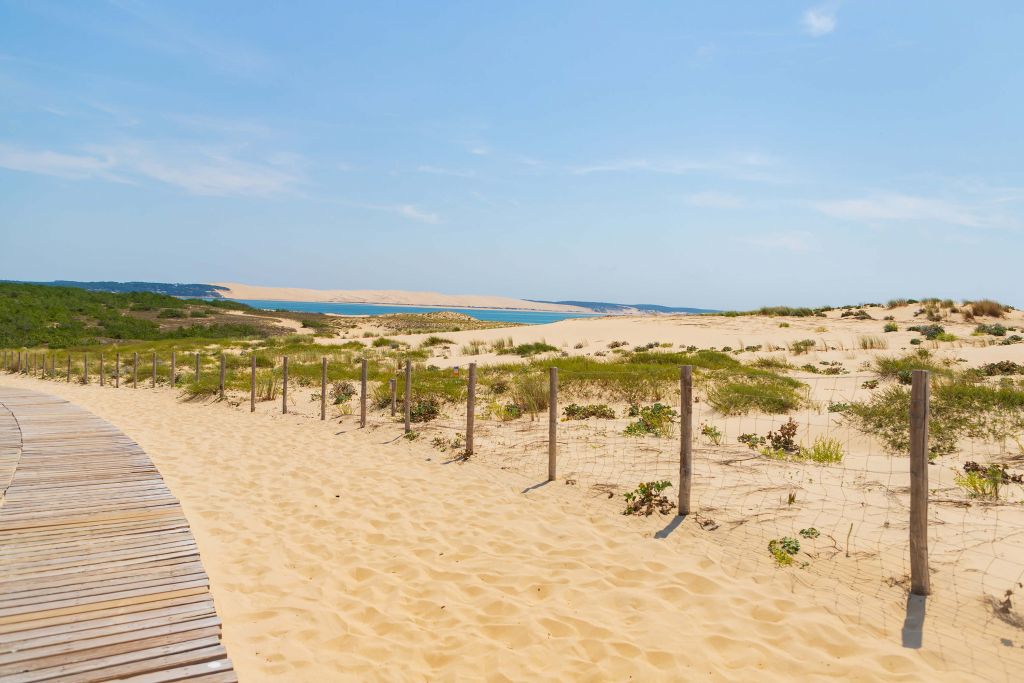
x=394, y=297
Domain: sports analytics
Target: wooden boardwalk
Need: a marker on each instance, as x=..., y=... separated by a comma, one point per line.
x=100, y=578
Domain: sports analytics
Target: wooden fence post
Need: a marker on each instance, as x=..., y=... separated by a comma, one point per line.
x=154, y=369
x=252, y=384
x=407, y=404
x=174, y=368
x=103, y=377
x=85, y=368
x=69, y=368
x=284, y=388
x=470, y=407
x=135, y=370
x=920, y=583
x=323, y=388
x=685, y=438
x=197, y=366
x=221, y=387
x=117, y=370
x=393, y=384
x=552, y=423
x=362, y=394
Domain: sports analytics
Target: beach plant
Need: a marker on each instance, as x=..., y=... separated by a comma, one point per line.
x=987, y=307
x=985, y=481
x=752, y=441
x=802, y=346
x=647, y=497
x=525, y=350
x=574, y=411
x=783, y=549
x=890, y=327
x=424, y=410
x=810, y=532
x=342, y=392
x=824, y=451
x=433, y=340
x=996, y=330
x=712, y=433
x=653, y=420
x=529, y=393
x=474, y=347
x=784, y=439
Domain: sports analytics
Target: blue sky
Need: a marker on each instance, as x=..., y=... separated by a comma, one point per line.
x=705, y=154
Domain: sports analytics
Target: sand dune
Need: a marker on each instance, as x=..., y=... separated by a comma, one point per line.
x=343, y=554
x=396, y=297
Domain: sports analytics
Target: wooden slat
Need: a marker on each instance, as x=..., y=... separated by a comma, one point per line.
x=100, y=577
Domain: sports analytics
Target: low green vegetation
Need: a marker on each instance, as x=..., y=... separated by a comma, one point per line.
x=783, y=549
x=986, y=481
x=601, y=411
x=647, y=497
x=525, y=350
x=653, y=420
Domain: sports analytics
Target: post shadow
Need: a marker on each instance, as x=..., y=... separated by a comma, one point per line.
x=914, y=621
x=671, y=526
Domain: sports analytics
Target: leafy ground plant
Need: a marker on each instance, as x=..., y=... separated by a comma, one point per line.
x=653, y=420
x=647, y=497
x=986, y=481
x=712, y=433
x=783, y=549
x=574, y=411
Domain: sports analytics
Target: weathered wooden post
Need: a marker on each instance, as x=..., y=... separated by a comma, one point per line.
x=470, y=407
x=252, y=383
x=85, y=368
x=103, y=378
x=197, y=366
x=362, y=394
x=154, y=369
x=685, y=438
x=221, y=386
x=552, y=423
x=920, y=583
x=174, y=368
x=284, y=387
x=406, y=399
x=393, y=384
x=135, y=370
x=323, y=388
x=69, y=369
x=117, y=370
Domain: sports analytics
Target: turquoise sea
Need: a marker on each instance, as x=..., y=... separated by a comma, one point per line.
x=510, y=316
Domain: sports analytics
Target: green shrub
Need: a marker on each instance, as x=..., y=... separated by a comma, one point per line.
x=783, y=549
x=424, y=410
x=530, y=393
x=436, y=341
x=647, y=497
x=773, y=395
x=525, y=350
x=171, y=313
x=802, y=346
x=578, y=412
x=890, y=327
x=996, y=330
x=712, y=433
x=653, y=420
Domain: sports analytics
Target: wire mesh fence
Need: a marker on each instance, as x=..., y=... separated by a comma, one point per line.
x=807, y=488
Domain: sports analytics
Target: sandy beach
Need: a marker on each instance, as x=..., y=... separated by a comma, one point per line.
x=337, y=553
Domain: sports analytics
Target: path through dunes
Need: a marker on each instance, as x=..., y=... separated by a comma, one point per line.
x=100, y=576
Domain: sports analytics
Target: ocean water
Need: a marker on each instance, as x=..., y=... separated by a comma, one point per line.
x=508, y=316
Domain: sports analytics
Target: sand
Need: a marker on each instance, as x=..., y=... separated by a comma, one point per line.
x=343, y=554
x=394, y=297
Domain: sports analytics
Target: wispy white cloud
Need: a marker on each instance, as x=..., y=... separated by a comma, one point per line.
x=714, y=200
x=414, y=213
x=58, y=164
x=437, y=170
x=796, y=241
x=907, y=208
x=751, y=166
x=196, y=170
x=821, y=20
